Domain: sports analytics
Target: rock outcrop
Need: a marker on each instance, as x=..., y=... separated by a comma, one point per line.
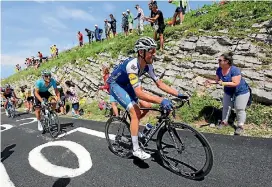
x=186, y=64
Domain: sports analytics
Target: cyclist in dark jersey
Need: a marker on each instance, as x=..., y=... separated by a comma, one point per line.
x=126, y=88
x=8, y=92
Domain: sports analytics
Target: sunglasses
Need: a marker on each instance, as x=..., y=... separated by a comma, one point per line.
x=220, y=60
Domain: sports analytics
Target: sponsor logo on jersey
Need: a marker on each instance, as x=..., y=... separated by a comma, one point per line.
x=133, y=78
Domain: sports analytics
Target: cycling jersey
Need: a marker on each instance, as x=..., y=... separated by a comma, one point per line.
x=40, y=84
x=125, y=78
x=128, y=72
x=8, y=94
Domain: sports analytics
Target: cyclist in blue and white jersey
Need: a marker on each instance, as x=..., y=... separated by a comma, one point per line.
x=41, y=91
x=126, y=88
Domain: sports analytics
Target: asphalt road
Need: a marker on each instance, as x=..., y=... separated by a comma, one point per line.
x=238, y=161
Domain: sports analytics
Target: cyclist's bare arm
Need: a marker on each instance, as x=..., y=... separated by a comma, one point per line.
x=38, y=95
x=164, y=87
x=57, y=93
x=146, y=96
x=15, y=96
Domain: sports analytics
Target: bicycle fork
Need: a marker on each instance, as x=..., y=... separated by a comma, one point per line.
x=172, y=131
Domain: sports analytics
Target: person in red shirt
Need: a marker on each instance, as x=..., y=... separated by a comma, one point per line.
x=106, y=74
x=40, y=56
x=80, y=38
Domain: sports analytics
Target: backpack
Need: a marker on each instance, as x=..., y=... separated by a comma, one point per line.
x=100, y=31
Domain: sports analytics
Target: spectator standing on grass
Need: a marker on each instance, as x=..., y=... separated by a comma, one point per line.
x=159, y=25
x=125, y=23
x=98, y=33
x=56, y=51
x=90, y=35
x=152, y=14
x=107, y=28
x=72, y=96
x=130, y=21
x=80, y=38
x=113, y=24
x=180, y=10
x=52, y=51
x=140, y=17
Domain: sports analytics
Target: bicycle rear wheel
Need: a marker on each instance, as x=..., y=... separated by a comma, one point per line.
x=118, y=136
x=185, y=146
x=54, y=124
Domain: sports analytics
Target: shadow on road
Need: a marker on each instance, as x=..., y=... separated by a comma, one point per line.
x=64, y=125
x=62, y=182
x=7, y=152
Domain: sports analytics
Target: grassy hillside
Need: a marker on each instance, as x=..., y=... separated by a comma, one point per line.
x=234, y=16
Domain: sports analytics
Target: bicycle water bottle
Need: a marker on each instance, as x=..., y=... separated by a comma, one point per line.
x=147, y=128
x=73, y=112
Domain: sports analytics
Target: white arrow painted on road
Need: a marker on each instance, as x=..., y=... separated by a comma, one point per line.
x=88, y=131
x=6, y=126
x=33, y=120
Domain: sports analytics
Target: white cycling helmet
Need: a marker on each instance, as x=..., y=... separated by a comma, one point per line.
x=145, y=43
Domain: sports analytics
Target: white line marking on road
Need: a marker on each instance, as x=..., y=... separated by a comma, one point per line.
x=87, y=131
x=41, y=164
x=33, y=120
x=6, y=126
x=5, y=180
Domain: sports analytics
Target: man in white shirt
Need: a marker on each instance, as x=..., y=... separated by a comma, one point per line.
x=140, y=18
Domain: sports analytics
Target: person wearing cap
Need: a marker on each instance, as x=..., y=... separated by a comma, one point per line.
x=97, y=33
x=113, y=24
x=159, y=25
x=130, y=21
x=107, y=28
x=125, y=23
x=140, y=18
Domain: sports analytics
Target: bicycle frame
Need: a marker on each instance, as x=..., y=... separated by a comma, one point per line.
x=163, y=120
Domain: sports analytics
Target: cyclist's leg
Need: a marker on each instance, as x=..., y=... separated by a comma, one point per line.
x=114, y=105
x=5, y=105
x=126, y=101
x=144, y=104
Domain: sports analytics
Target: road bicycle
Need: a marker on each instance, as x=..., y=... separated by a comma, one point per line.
x=50, y=120
x=177, y=132
x=10, y=108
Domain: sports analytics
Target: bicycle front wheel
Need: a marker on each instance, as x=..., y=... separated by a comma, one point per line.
x=193, y=154
x=118, y=136
x=54, y=125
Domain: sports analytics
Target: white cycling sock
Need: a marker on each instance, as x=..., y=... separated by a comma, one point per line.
x=135, y=143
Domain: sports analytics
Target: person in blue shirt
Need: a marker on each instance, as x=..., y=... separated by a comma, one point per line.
x=41, y=91
x=126, y=88
x=98, y=33
x=236, y=90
